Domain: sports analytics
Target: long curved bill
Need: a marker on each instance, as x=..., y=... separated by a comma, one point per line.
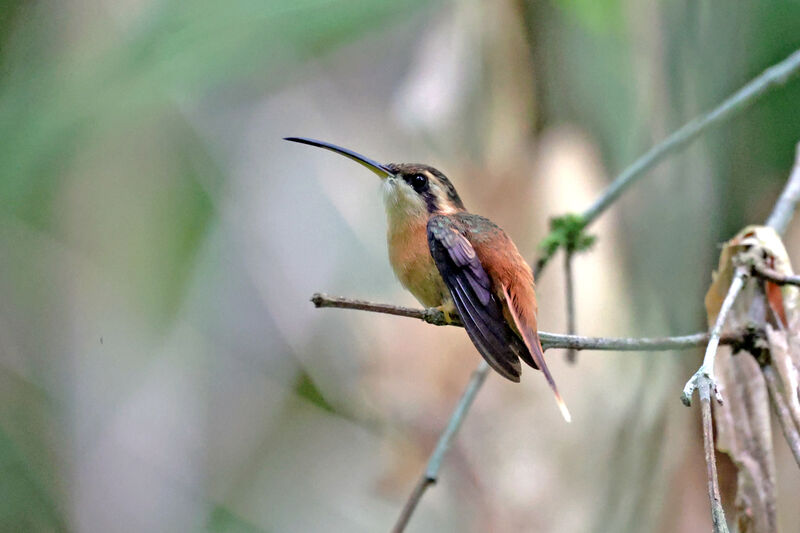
x=381, y=170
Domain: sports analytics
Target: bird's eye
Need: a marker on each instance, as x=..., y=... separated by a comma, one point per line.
x=419, y=182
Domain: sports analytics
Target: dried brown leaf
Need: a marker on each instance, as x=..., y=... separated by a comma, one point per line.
x=743, y=422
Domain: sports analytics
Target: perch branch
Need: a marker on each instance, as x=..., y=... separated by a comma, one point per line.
x=549, y=340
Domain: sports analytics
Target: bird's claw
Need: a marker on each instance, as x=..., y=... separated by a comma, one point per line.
x=440, y=316
x=445, y=310
x=704, y=382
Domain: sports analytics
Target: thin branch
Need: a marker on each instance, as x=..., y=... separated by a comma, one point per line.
x=411, y=504
x=773, y=77
x=717, y=514
x=549, y=340
x=784, y=208
x=431, y=474
x=705, y=374
x=790, y=430
x=430, y=315
x=569, y=290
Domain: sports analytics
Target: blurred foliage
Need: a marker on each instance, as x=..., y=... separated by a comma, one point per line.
x=110, y=86
x=58, y=101
x=306, y=388
x=223, y=520
x=26, y=503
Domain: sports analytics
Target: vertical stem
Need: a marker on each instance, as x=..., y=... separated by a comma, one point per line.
x=475, y=382
x=717, y=514
x=572, y=355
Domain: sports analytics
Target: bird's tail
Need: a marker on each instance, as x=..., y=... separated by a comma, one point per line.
x=531, y=338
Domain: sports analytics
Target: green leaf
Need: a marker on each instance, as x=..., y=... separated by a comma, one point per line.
x=305, y=388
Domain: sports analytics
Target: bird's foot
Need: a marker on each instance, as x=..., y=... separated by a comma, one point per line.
x=446, y=310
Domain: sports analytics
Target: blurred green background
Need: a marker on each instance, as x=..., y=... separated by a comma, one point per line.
x=161, y=368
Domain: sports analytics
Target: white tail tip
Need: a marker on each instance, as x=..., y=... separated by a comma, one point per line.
x=564, y=411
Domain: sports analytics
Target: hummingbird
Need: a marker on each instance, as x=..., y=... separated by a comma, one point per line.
x=459, y=262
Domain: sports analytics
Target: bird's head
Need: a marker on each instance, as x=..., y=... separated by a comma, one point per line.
x=409, y=189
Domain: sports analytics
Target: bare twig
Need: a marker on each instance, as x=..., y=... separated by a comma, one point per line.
x=431, y=474
x=717, y=514
x=411, y=505
x=430, y=315
x=569, y=289
x=705, y=374
x=790, y=430
x=773, y=77
x=549, y=340
x=784, y=208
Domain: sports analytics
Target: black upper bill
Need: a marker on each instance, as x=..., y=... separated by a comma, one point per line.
x=377, y=168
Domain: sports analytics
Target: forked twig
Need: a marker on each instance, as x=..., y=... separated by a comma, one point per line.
x=705, y=382
x=705, y=374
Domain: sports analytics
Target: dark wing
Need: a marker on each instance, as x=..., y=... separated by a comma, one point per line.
x=471, y=289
